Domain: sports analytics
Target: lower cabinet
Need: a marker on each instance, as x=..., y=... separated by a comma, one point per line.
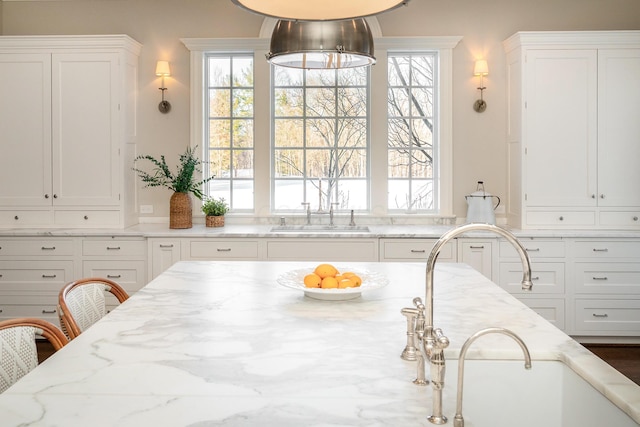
x=415, y=250
x=163, y=253
x=322, y=249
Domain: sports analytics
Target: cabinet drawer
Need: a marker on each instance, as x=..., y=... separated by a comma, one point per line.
x=547, y=277
x=535, y=249
x=607, y=278
x=415, y=249
x=36, y=247
x=110, y=247
x=328, y=250
x=129, y=274
x=225, y=249
x=620, y=317
x=35, y=275
x=564, y=219
x=19, y=218
x=620, y=219
x=607, y=249
x=47, y=311
x=87, y=218
x=551, y=309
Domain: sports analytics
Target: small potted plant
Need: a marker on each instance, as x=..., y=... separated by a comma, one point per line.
x=181, y=183
x=214, y=209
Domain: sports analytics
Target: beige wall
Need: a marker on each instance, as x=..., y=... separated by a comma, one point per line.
x=479, y=139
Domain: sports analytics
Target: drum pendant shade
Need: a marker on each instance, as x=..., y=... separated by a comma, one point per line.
x=316, y=10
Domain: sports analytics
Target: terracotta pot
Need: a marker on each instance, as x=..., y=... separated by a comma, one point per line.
x=180, y=211
x=215, y=221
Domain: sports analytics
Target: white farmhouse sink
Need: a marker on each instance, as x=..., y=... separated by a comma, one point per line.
x=320, y=229
x=504, y=394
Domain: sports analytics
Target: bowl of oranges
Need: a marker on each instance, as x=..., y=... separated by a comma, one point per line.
x=333, y=283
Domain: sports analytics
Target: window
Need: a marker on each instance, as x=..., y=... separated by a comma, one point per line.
x=320, y=138
x=230, y=128
x=411, y=141
x=377, y=140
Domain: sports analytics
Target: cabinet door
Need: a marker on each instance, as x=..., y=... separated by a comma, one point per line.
x=164, y=253
x=477, y=253
x=25, y=129
x=619, y=127
x=561, y=128
x=85, y=118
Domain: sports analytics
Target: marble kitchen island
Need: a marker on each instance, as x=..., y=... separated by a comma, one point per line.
x=222, y=343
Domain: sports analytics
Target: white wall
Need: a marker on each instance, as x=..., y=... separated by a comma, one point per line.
x=479, y=139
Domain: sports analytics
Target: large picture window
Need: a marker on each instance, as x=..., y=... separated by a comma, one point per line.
x=320, y=141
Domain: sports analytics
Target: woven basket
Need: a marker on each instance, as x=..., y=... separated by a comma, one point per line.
x=180, y=211
x=215, y=221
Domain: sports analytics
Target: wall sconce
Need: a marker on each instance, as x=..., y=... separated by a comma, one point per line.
x=481, y=69
x=162, y=69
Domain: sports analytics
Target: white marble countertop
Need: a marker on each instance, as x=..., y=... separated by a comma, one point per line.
x=221, y=343
x=265, y=231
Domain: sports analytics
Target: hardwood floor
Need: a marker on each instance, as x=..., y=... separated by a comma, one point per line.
x=624, y=358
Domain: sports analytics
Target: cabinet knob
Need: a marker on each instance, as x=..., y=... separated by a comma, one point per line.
x=561, y=218
x=635, y=218
x=16, y=217
x=55, y=196
x=602, y=196
x=46, y=196
x=86, y=217
x=593, y=196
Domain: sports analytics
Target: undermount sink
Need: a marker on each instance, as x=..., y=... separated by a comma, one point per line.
x=550, y=394
x=320, y=229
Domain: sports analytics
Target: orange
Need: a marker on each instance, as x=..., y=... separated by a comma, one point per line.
x=312, y=280
x=356, y=280
x=346, y=283
x=329, y=282
x=325, y=270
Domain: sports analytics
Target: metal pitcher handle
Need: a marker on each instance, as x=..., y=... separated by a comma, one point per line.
x=497, y=204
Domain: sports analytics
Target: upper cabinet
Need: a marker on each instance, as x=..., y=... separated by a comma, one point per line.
x=573, y=133
x=67, y=120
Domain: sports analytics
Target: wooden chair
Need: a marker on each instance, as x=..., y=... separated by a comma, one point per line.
x=82, y=303
x=18, y=351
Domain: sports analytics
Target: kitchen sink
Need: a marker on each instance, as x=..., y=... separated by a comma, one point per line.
x=320, y=229
x=504, y=394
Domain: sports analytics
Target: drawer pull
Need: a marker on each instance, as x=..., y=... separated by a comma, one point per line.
x=600, y=278
x=476, y=247
x=532, y=249
x=223, y=249
x=114, y=276
x=113, y=248
x=417, y=251
x=49, y=311
x=166, y=246
x=49, y=276
x=535, y=278
x=600, y=315
x=600, y=250
x=48, y=248
x=635, y=218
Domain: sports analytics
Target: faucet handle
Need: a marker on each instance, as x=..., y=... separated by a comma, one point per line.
x=441, y=341
x=417, y=301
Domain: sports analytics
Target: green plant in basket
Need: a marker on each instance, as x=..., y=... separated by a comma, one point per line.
x=215, y=207
x=182, y=181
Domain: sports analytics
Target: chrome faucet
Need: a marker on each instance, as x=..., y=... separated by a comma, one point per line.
x=431, y=341
x=458, y=420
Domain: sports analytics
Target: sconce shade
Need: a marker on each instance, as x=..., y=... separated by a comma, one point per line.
x=162, y=68
x=322, y=44
x=318, y=10
x=481, y=68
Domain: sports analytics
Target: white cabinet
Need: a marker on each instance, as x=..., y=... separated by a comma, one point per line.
x=606, y=287
x=415, y=250
x=322, y=249
x=32, y=273
x=67, y=117
x=574, y=99
x=163, y=253
x=478, y=253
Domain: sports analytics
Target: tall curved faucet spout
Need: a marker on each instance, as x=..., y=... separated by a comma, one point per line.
x=433, y=256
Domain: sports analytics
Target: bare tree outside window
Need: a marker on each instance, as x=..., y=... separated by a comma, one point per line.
x=412, y=174
x=320, y=141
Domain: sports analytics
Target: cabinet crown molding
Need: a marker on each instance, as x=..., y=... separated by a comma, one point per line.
x=573, y=39
x=110, y=41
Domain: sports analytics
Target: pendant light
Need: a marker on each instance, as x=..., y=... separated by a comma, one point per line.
x=316, y=10
x=322, y=44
